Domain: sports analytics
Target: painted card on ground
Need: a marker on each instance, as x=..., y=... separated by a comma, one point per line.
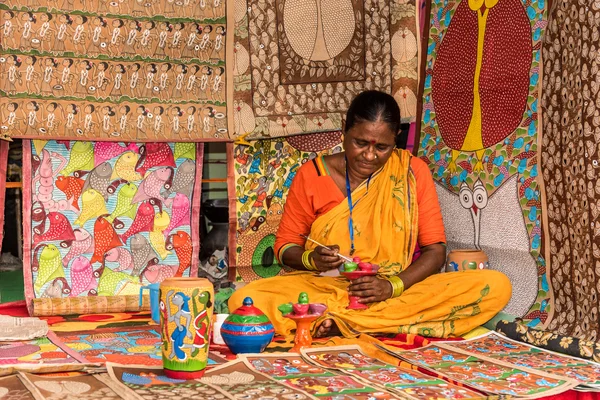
x=139, y=345
x=498, y=347
x=293, y=370
x=80, y=387
x=12, y=388
x=37, y=351
x=139, y=382
x=237, y=378
x=490, y=376
x=408, y=383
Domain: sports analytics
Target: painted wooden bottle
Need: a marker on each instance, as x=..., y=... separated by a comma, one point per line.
x=186, y=308
x=247, y=329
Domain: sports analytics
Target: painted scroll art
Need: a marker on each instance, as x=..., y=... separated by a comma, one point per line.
x=101, y=219
x=297, y=65
x=570, y=161
x=479, y=133
x=264, y=172
x=136, y=70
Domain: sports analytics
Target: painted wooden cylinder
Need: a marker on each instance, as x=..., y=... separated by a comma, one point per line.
x=465, y=260
x=186, y=308
x=247, y=329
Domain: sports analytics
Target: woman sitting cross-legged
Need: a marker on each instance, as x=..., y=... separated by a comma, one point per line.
x=376, y=202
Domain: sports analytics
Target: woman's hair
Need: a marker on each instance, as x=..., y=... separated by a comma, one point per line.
x=373, y=106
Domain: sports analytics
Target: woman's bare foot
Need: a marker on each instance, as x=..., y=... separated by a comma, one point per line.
x=328, y=328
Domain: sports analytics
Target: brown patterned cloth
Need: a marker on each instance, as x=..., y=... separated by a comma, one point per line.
x=571, y=132
x=568, y=345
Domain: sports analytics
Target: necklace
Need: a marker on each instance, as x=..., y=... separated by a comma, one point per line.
x=351, y=205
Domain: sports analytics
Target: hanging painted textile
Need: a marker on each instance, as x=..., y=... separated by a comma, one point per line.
x=478, y=133
x=263, y=175
x=102, y=219
x=297, y=66
x=114, y=70
x=571, y=127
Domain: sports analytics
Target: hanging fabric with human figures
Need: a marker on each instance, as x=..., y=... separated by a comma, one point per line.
x=479, y=134
x=134, y=70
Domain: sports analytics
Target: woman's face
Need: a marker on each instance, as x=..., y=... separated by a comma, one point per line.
x=175, y=111
x=62, y=19
x=79, y=20
x=11, y=107
x=7, y=16
x=132, y=24
x=122, y=110
x=105, y=110
x=140, y=110
x=88, y=109
x=101, y=66
x=190, y=110
x=49, y=62
x=44, y=17
x=148, y=25
x=50, y=108
x=65, y=63
x=149, y=68
x=30, y=106
x=83, y=65
x=156, y=111
x=25, y=17
x=368, y=146
x=70, y=108
x=97, y=21
x=179, y=68
x=164, y=67
x=115, y=23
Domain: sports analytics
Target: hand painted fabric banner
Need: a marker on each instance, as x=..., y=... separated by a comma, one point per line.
x=136, y=70
x=479, y=135
x=102, y=218
x=297, y=66
x=570, y=160
x=264, y=172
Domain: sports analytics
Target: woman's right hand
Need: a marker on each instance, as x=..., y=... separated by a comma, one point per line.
x=326, y=259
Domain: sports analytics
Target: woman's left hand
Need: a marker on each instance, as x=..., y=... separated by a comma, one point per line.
x=371, y=289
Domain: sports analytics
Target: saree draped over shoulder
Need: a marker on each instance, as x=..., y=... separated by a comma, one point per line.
x=386, y=229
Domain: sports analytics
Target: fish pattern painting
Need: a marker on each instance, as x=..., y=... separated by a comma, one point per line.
x=96, y=216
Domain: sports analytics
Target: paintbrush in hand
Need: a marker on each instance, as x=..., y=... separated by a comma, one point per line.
x=348, y=259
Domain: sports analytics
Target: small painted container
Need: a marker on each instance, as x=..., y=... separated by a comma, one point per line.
x=465, y=260
x=186, y=308
x=247, y=329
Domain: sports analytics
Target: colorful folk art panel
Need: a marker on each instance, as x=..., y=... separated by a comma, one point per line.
x=570, y=157
x=36, y=351
x=479, y=133
x=131, y=70
x=497, y=347
x=139, y=345
x=264, y=172
x=297, y=66
x=407, y=382
x=105, y=218
x=489, y=376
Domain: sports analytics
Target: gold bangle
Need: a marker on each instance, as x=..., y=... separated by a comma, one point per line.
x=307, y=262
x=397, y=285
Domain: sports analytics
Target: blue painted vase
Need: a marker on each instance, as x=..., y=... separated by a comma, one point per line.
x=247, y=330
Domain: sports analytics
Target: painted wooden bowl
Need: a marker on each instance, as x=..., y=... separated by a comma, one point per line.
x=247, y=329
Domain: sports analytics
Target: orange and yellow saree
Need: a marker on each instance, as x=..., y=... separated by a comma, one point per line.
x=386, y=226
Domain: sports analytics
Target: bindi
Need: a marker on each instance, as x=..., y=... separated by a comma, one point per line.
x=372, y=142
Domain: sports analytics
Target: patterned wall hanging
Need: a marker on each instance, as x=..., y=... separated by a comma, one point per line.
x=570, y=159
x=131, y=70
x=478, y=133
x=297, y=66
x=103, y=218
x=263, y=175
